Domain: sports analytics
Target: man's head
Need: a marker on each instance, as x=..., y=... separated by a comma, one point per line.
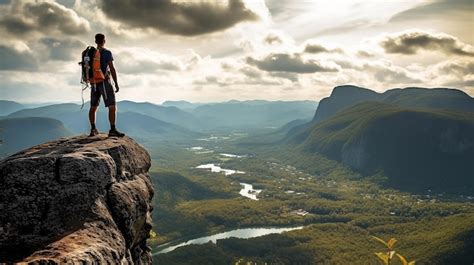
x=100, y=39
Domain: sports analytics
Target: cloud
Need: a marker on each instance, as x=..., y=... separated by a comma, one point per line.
x=437, y=9
x=251, y=72
x=272, y=38
x=293, y=63
x=318, y=48
x=63, y=50
x=453, y=73
x=44, y=17
x=381, y=70
x=132, y=64
x=456, y=68
x=14, y=59
x=232, y=81
x=394, y=75
x=179, y=18
x=460, y=83
x=290, y=76
x=364, y=54
x=414, y=41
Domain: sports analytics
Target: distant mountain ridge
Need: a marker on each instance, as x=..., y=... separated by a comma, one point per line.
x=439, y=98
x=182, y=104
x=134, y=123
x=7, y=107
x=254, y=113
x=20, y=133
x=208, y=117
x=169, y=114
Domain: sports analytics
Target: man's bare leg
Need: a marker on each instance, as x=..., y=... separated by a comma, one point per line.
x=112, y=118
x=92, y=111
x=112, y=115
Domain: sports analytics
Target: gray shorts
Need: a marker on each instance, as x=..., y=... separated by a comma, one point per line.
x=105, y=90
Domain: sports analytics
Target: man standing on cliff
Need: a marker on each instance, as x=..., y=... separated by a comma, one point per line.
x=102, y=87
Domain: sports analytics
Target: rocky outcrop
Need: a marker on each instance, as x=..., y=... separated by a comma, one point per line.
x=78, y=200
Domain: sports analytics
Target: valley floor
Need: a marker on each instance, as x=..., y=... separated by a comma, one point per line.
x=339, y=210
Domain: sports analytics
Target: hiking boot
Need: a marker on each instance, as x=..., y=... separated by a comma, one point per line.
x=115, y=133
x=94, y=132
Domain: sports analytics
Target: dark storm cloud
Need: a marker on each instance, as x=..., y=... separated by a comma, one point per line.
x=435, y=10
x=63, y=50
x=412, y=42
x=293, y=63
x=179, y=18
x=318, y=48
x=16, y=60
x=45, y=17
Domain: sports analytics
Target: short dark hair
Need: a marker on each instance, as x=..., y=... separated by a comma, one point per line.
x=99, y=38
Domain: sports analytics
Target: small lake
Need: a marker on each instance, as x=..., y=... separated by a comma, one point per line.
x=249, y=192
x=217, y=169
x=244, y=233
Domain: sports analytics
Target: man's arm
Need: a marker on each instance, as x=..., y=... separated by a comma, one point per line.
x=114, y=75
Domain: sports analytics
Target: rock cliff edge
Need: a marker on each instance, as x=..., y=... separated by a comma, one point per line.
x=76, y=200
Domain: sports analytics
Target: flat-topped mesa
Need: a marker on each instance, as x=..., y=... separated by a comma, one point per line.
x=76, y=200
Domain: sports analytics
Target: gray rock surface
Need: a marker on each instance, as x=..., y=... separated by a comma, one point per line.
x=77, y=200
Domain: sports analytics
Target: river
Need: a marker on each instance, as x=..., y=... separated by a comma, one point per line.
x=237, y=233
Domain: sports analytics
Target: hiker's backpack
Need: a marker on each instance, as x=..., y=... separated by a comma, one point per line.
x=90, y=63
x=86, y=64
x=91, y=71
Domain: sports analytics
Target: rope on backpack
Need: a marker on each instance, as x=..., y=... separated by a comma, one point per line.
x=85, y=85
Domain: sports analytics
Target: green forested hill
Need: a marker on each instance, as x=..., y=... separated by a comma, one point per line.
x=415, y=148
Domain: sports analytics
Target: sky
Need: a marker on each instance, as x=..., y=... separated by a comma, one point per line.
x=209, y=51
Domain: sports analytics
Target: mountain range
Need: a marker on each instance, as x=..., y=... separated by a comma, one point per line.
x=19, y=133
x=418, y=138
x=149, y=122
x=7, y=107
x=253, y=114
